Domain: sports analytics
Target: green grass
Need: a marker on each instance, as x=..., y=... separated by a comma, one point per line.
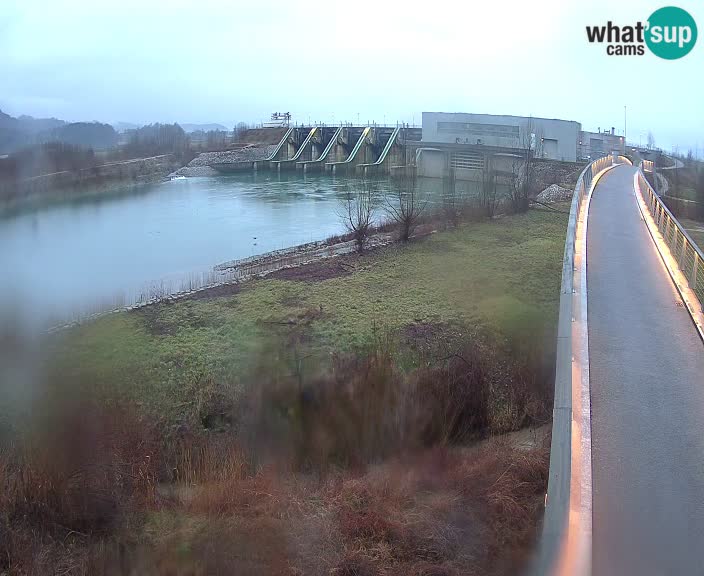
x=502, y=276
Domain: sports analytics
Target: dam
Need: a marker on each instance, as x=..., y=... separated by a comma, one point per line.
x=340, y=150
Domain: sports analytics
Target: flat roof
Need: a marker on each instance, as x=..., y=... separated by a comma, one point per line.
x=505, y=116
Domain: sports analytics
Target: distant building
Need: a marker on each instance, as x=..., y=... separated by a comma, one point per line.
x=549, y=138
x=463, y=142
x=596, y=144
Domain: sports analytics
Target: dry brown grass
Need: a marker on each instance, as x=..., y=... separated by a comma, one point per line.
x=76, y=477
x=437, y=511
x=80, y=470
x=361, y=469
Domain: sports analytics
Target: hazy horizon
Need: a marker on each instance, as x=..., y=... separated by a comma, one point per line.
x=218, y=63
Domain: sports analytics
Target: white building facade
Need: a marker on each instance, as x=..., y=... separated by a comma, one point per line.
x=549, y=138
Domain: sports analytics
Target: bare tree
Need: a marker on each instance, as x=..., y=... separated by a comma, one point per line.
x=357, y=213
x=239, y=130
x=488, y=192
x=523, y=177
x=452, y=199
x=404, y=207
x=517, y=190
x=651, y=141
x=538, y=143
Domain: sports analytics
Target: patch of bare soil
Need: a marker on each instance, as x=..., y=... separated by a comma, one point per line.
x=321, y=270
x=214, y=292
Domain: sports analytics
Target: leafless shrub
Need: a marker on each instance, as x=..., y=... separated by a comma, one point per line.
x=523, y=173
x=453, y=200
x=452, y=399
x=358, y=211
x=488, y=193
x=404, y=207
x=365, y=407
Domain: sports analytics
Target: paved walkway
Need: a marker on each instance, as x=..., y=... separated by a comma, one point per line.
x=647, y=387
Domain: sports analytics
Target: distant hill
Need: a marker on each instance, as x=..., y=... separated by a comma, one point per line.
x=188, y=128
x=24, y=131
x=85, y=134
x=18, y=132
x=36, y=125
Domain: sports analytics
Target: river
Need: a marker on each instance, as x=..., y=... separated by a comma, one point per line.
x=65, y=260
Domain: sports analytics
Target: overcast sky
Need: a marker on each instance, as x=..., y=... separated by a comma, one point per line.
x=239, y=60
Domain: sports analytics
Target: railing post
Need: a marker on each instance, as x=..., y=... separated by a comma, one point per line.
x=661, y=219
x=693, y=286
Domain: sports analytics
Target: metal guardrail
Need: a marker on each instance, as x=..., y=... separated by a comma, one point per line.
x=688, y=256
x=555, y=556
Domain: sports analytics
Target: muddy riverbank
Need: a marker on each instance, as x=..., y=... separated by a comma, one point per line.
x=310, y=258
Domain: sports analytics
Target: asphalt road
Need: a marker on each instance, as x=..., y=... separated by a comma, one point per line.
x=647, y=390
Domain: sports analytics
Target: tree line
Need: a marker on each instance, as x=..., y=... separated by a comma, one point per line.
x=74, y=147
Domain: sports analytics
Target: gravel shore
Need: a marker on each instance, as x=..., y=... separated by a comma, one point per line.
x=201, y=164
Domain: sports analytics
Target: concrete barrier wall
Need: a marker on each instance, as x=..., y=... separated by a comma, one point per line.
x=565, y=547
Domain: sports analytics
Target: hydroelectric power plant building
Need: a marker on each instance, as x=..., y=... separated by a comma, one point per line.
x=459, y=142
x=463, y=142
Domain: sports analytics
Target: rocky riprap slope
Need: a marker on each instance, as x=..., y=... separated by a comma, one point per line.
x=201, y=164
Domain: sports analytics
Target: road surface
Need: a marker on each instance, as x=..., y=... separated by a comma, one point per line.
x=647, y=390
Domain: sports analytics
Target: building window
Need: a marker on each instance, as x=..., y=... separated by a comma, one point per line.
x=474, y=128
x=467, y=160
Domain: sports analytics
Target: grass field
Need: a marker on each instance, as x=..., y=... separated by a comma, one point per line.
x=347, y=417
x=501, y=276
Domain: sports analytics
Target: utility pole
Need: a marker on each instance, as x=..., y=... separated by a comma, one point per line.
x=625, y=134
